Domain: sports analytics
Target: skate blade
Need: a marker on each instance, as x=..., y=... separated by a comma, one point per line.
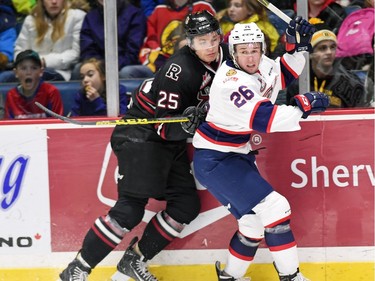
x=118, y=276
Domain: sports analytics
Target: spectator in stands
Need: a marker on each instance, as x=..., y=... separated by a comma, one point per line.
x=91, y=99
x=20, y=100
x=329, y=76
x=148, y=6
x=362, y=3
x=52, y=29
x=84, y=5
x=1, y=107
x=369, y=85
x=164, y=30
x=131, y=24
x=247, y=11
x=23, y=8
x=8, y=34
x=284, y=5
x=328, y=12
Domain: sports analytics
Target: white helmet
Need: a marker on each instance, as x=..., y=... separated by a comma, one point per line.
x=245, y=33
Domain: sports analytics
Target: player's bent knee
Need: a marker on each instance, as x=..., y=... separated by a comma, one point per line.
x=187, y=212
x=273, y=209
x=127, y=216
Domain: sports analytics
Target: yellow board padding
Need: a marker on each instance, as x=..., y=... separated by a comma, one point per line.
x=258, y=272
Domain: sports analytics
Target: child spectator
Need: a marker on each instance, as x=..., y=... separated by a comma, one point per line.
x=247, y=11
x=91, y=99
x=164, y=31
x=328, y=76
x=20, y=101
x=8, y=34
x=52, y=29
x=131, y=24
x=327, y=12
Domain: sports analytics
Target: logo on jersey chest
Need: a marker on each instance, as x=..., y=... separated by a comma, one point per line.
x=263, y=84
x=206, y=80
x=173, y=71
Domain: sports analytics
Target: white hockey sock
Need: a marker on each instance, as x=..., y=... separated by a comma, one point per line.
x=236, y=267
x=286, y=260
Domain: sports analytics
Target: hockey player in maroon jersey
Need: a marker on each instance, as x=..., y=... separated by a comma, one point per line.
x=152, y=159
x=241, y=101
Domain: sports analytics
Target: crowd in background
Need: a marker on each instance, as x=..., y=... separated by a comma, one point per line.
x=66, y=34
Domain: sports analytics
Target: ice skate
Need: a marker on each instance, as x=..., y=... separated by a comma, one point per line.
x=75, y=271
x=222, y=277
x=133, y=266
x=298, y=276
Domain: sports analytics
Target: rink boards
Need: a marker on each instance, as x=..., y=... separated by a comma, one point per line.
x=57, y=178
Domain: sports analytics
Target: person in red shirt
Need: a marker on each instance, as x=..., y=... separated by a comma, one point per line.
x=20, y=100
x=165, y=35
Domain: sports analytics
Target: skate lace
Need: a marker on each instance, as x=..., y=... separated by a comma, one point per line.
x=244, y=279
x=143, y=271
x=79, y=275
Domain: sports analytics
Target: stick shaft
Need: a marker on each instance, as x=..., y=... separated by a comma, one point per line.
x=275, y=10
x=134, y=121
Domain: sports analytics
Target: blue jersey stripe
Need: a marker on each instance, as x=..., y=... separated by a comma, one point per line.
x=219, y=137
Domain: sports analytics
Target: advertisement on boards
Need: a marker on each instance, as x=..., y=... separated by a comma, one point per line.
x=326, y=171
x=56, y=180
x=24, y=192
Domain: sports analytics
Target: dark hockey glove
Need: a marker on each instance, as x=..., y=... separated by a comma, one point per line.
x=298, y=35
x=196, y=116
x=311, y=102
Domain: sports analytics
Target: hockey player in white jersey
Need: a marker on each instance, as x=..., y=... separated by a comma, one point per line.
x=241, y=101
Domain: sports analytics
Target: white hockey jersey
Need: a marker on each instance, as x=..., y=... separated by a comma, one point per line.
x=241, y=103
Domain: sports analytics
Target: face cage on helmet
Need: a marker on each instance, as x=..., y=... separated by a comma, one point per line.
x=190, y=40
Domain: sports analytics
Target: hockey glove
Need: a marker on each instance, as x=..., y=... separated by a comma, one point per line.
x=196, y=116
x=298, y=35
x=311, y=102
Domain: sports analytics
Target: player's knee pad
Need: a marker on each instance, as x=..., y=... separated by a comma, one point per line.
x=187, y=211
x=244, y=247
x=109, y=230
x=250, y=225
x=168, y=224
x=273, y=209
x=279, y=236
x=128, y=215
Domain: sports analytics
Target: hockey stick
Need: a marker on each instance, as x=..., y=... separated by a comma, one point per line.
x=135, y=121
x=275, y=10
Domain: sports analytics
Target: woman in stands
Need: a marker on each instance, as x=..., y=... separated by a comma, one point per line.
x=91, y=99
x=52, y=29
x=328, y=12
x=247, y=11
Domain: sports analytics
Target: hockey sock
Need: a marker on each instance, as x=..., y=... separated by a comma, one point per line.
x=283, y=247
x=101, y=239
x=159, y=232
x=241, y=253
